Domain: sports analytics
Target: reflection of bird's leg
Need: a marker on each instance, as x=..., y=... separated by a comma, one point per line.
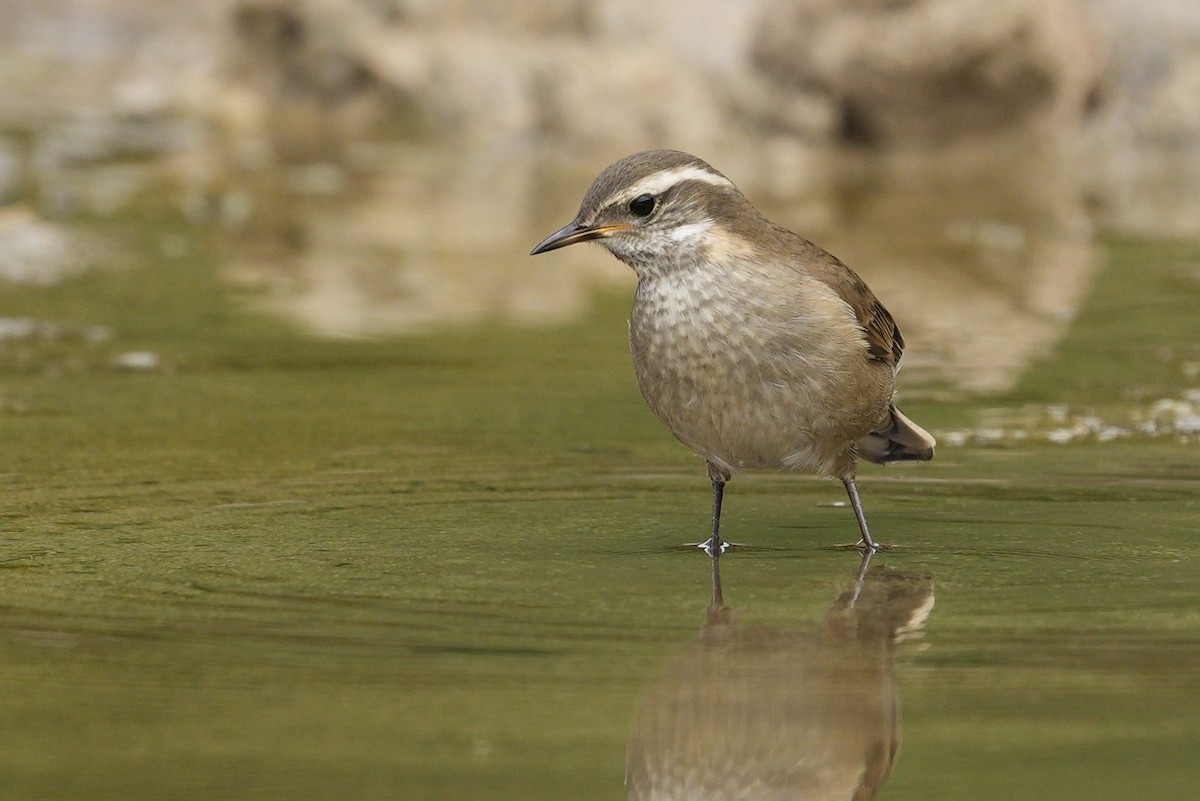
x=867, y=544
x=861, y=577
x=718, y=598
x=718, y=614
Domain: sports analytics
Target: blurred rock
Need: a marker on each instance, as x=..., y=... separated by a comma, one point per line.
x=101, y=164
x=68, y=57
x=327, y=71
x=930, y=71
x=22, y=328
x=11, y=172
x=1143, y=154
x=385, y=165
x=140, y=360
x=34, y=251
x=308, y=73
x=599, y=97
x=426, y=247
x=1170, y=114
x=765, y=84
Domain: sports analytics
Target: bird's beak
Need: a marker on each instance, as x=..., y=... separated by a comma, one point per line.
x=574, y=232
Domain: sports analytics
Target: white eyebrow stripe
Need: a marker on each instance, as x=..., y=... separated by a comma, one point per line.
x=657, y=183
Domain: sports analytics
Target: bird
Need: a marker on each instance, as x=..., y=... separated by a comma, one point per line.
x=758, y=349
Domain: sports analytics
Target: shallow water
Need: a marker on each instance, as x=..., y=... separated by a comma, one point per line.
x=451, y=565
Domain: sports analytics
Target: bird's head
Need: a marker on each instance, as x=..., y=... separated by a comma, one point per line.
x=654, y=210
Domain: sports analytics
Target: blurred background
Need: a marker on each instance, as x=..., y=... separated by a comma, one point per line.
x=317, y=485
x=383, y=166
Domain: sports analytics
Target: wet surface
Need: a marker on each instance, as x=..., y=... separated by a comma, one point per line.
x=238, y=560
x=774, y=712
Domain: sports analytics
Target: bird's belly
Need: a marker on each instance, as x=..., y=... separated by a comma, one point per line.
x=734, y=419
x=741, y=409
x=747, y=384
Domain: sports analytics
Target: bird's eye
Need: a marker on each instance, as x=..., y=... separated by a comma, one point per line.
x=642, y=205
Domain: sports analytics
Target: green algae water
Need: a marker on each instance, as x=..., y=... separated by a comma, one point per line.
x=237, y=561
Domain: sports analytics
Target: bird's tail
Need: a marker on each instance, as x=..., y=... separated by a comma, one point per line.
x=897, y=439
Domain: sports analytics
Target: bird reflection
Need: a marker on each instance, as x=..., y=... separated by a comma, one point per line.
x=775, y=713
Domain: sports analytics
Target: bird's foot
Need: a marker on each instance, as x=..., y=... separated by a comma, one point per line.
x=862, y=546
x=715, y=546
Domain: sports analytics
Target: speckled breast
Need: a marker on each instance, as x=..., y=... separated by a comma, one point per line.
x=728, y=369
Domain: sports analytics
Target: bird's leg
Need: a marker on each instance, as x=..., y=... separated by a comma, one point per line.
x=714, y=546
x=866, y=543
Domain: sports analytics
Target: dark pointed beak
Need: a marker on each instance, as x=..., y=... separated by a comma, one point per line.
x=574, y=232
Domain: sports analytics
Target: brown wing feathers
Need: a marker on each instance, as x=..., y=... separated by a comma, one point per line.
x=884, y=341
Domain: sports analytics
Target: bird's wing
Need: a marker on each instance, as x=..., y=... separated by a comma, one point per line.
x=884, y=340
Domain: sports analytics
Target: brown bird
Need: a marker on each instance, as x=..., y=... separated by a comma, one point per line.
x=755, y=347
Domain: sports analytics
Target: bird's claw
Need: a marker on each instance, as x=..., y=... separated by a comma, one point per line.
x=862, y=546
x=719, y=547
